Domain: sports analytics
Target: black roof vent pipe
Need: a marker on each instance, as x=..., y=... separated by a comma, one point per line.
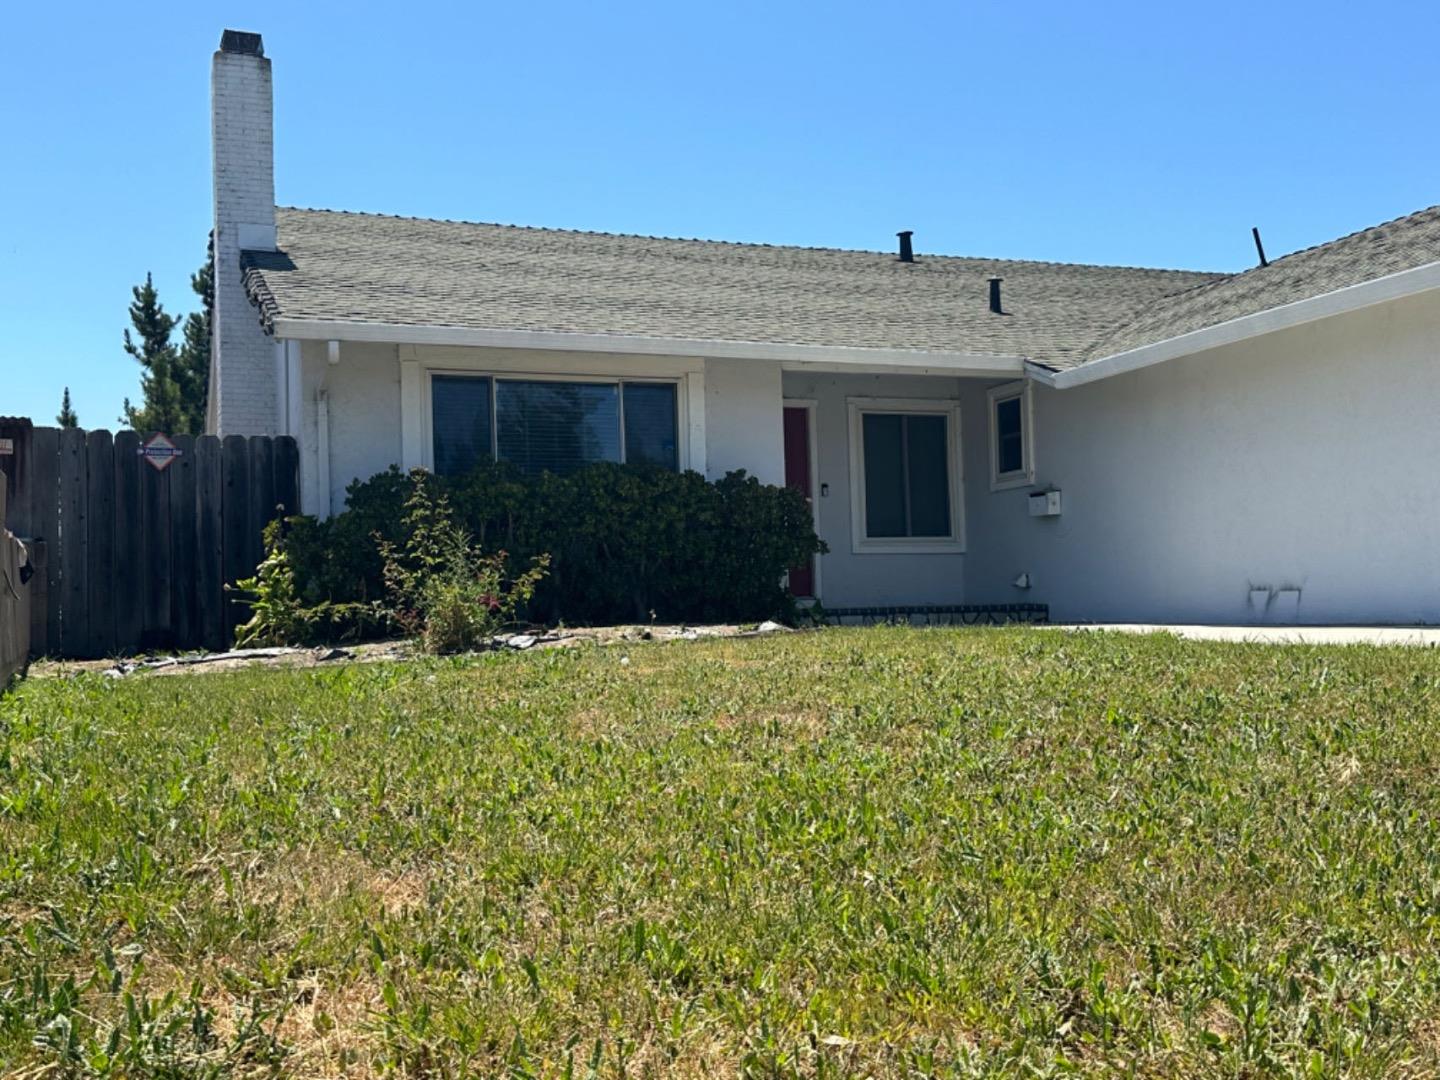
x=1259, y=247
x=907, y=253
x=995, y=295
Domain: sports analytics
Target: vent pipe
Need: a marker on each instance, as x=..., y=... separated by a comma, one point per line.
x=1259, y=247
x=907, y=253
x=995, y=295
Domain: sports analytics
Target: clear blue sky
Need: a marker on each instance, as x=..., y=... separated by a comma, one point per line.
x=1152, y=134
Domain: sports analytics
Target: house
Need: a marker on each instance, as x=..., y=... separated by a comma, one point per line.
x=1117, y=443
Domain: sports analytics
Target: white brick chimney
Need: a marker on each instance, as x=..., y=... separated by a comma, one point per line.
x=242, y=373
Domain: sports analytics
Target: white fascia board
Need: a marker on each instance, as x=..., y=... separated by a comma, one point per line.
x=1040, y=374
x=632, y=345
x=951, y=365
x=1351, y=298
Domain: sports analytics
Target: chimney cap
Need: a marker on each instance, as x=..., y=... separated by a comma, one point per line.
x=242, y=42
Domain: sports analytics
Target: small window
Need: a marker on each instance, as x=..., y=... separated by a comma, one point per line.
x=1011, y=454
x=904, y=476
x=551, y=425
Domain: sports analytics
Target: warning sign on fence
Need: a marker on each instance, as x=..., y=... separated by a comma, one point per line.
x=159, y=451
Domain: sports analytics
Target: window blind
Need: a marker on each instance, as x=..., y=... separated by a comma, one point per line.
x=907, y=475
x=650, y=435
x=557, y=426
x=460, y=417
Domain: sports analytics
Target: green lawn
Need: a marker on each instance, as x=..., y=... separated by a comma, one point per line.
x=882, y=852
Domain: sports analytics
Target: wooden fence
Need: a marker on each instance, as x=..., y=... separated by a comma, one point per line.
x=14, y=603
x=132, y=558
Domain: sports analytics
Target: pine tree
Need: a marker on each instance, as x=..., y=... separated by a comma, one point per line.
x=193, y=370
x=67, y=417
x=162, y=409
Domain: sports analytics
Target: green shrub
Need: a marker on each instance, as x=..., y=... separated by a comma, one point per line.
x=624, y=541
x=443, y=589
x=279, y=615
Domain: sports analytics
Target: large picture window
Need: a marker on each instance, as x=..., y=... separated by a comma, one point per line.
x=551, y=425
x=905, y=475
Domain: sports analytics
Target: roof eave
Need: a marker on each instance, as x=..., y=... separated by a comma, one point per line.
x=788, y=354
x=1379, y=290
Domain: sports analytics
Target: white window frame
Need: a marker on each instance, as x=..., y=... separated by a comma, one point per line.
x=1025, y=475
x=681, y=404
x=860, y=543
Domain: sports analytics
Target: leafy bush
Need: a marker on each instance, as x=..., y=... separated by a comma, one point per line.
x=280, y=616
x=443, y=589
x=624, y=541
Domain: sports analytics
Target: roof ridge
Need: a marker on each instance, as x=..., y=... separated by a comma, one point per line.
x=1339, y=239
x=1216, y=274
x=1106, y=341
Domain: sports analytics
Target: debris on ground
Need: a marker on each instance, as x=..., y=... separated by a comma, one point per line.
x=768, y=627
x=284, y=656
x=229, y=659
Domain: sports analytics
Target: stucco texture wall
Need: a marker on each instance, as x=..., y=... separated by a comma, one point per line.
x=363, y=391
x=743, y=422
x=1290, y=478
x=848, y=579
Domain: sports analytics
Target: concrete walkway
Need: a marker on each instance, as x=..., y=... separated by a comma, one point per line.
x=1280, y=635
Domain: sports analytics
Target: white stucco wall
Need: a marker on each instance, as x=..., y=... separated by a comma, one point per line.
x=1300, y=464
x=744, y=425
x=848, y=579
x=363, y=392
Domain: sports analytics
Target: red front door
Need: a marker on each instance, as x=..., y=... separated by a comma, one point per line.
x=797, y=476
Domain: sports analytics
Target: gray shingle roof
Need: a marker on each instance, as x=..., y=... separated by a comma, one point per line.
x=372, y=268
x=1401, y=244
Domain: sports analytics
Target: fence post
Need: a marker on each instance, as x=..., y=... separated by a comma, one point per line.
x=183, y=543
x=17, y=463
x=100, y=474
x=287, y=475
x=128, y=582
x=262, y=499
x=155, y=518
x=74, y=543
x=210, y=542
x=45, y=527
x=235, y=523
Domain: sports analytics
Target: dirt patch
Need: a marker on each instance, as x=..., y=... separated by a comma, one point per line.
x=371, y=652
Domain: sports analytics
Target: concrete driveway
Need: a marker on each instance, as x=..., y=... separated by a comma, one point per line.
x=1280, y=635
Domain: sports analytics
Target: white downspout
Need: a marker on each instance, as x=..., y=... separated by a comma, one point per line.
x=294, y=394
x=322, y=427
x=322, y=449
x=282, y=388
